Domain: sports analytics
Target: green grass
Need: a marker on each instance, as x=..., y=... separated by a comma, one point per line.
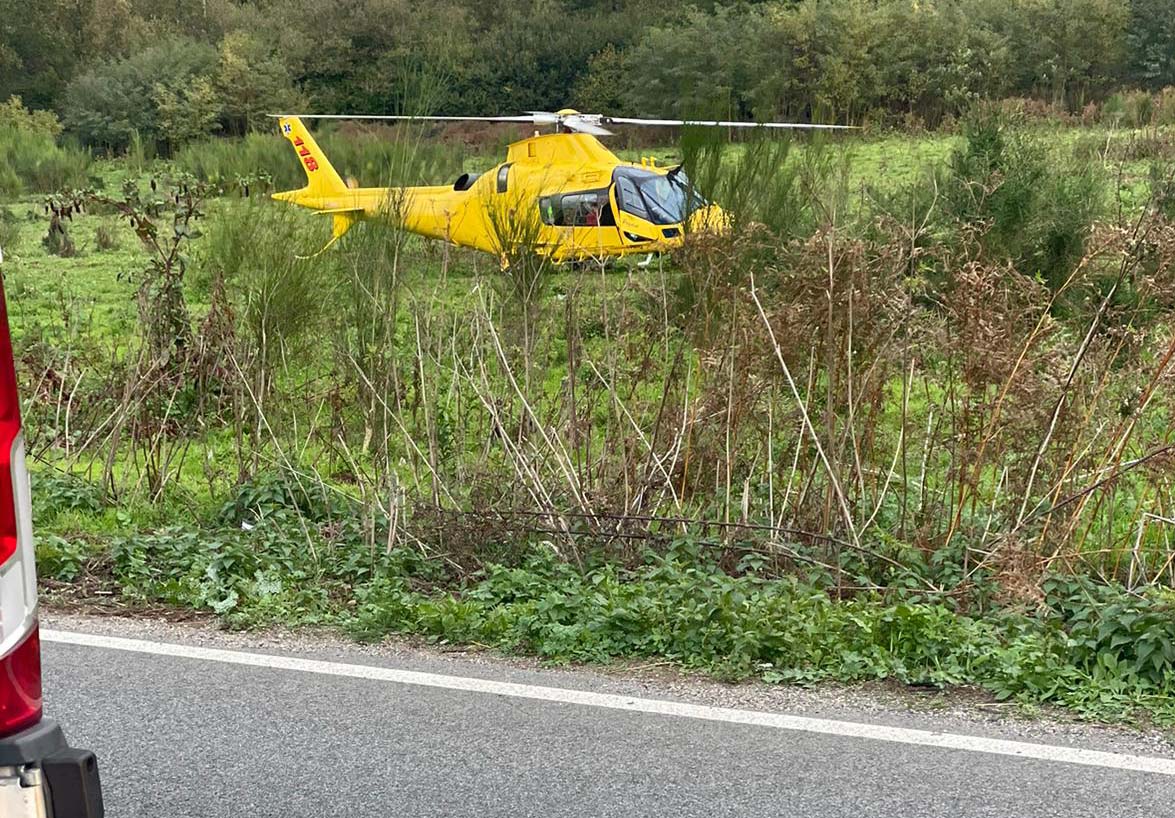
x=88, y=289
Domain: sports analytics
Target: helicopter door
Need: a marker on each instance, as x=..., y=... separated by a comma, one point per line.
x=633, y=231
x=596, y=234
x=586, y=221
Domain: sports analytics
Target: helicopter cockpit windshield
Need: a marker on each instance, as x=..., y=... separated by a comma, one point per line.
x=655, y=197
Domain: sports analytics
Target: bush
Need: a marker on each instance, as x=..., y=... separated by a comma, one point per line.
x=1034, y=206
x=162, y=93
x=60, y=558
x=278, y=493
x=261, y=157
x=9, y=228
x=56, y=492
x=31, y=160
x=106, y=238
x=58, y=242
x=15, y=115
x=1133, y=634
x=1132, y=109
x=691, y=612
x=1162, y=183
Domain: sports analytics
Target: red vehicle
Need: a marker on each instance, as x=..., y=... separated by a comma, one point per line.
x=41, y=776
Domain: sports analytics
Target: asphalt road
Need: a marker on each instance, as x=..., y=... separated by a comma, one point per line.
x=183, y=737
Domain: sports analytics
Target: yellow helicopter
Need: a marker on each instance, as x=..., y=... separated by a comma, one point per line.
x=563, y=193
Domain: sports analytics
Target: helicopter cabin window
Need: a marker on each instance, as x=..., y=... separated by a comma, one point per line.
x=660, y=198
x=590, y=208
x=504, y=178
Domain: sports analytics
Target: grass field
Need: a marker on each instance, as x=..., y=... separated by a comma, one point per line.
x=885, y=163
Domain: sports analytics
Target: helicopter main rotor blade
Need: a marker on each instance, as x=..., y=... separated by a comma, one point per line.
x=587, y=127
x=572, y=122
x=579, y=122
x=724, y=123
x=410, y=117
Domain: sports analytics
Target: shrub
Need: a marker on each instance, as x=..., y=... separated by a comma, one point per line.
x=58, y=242
x=106, y=238
x=1132, y=109
x=1162, y=182
x=1033, y=206
x=277, y=493
x=56, y=492
x=14, y=114
x=60, y=558
x=163, y=93
x=9, y=228
x=1034, y=110
x=782, y=630
x=257, y=156
x=1165, y=106
x=31, y=161
x=1110, y=628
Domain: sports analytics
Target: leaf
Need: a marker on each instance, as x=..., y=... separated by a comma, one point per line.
x=1120, y=639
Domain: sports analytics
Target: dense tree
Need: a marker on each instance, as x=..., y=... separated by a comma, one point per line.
x=1151, y=42
x=857, y=58
x=251, y=80
x=145, y=94
x=601, y=88
x=40, y=52
x=99, y=63
x=950, y=64
x=703, y=64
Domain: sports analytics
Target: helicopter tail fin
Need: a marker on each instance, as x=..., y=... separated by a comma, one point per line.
x=321, y=177
x=325, y=191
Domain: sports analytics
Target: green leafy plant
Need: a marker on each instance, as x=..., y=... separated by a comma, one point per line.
x=55, y=492
x=61, y=558
x=276, y=492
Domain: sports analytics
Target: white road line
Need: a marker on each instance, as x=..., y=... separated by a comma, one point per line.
x=830, y=727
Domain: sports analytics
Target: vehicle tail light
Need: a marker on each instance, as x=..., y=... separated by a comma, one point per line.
x=20, y=647
x=20, y=685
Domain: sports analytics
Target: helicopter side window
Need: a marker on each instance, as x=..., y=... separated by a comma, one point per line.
x=465, y=181
x=590, y=208
x=504, y=178
x=549, y=209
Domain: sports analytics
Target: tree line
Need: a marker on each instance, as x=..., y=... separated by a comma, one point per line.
x=168, y=71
